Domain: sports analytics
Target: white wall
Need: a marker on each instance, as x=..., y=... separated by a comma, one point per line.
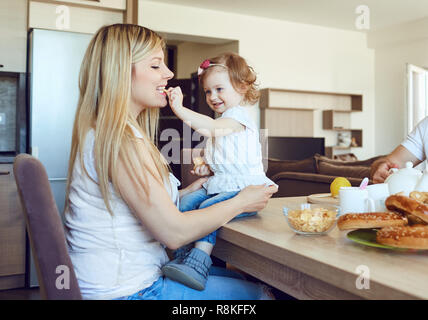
x=191, y=54
x=285, y=55
x=394, y=48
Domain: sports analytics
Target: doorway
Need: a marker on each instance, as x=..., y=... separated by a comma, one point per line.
x=183, y=56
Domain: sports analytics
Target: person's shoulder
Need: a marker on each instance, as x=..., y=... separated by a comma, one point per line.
x=240, y=114
x=89, y=140
x=423, y=124
x=234, y=111
x=135, y=131
x=88, y=154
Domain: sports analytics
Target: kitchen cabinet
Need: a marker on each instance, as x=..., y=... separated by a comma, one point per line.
x=75, y=16
x=12, y=232
x=107, y=4
x=13, y=35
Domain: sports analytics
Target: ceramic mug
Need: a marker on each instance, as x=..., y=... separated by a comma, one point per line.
x=355, y=200
x=378, y=192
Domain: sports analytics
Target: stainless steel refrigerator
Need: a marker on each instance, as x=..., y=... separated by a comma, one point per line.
x=54, y=59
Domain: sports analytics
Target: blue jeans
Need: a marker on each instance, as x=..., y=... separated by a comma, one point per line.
x=222, y=284
x=199, y=199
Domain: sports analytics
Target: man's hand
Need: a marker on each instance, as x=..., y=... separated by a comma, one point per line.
x=380, y=170
x=396, y=159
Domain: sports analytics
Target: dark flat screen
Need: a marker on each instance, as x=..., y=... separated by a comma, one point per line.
x=294, y=148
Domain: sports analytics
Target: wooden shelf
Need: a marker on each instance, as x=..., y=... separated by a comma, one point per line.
x=342, y=148
x=290, y=108
x=330, y=151
x=302, y=99
x=290, y=113
x=340, y=121
x=336, y=120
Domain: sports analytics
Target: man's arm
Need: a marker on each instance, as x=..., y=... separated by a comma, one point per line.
x=396, y=159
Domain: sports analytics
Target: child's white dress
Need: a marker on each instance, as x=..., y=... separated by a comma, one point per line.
x=236, y=158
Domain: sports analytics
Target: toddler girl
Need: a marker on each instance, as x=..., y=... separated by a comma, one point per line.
x=232, y=153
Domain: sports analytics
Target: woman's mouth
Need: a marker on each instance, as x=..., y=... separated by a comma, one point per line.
x=161, y=90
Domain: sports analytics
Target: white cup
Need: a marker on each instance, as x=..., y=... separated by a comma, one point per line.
x=378, y=192
x=355, y=200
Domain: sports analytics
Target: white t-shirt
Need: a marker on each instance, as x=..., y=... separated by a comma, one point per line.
x=236, y=158
x=417, y=140
x=113, y=256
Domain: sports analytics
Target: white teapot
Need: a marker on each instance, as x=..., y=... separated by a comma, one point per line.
x=406, y=180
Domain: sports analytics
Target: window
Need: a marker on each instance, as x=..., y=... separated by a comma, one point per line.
x=417, y=90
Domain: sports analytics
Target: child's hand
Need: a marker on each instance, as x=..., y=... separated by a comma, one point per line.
x=196, y=185
x=201, y=170
x=175, y=97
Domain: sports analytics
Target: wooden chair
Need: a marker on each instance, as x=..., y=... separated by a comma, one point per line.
x=55, y=271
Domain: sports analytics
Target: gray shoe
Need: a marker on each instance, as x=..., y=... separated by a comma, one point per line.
x=181, y=252
x=192, y=271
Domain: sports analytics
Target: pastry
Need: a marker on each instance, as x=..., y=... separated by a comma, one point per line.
x=198, y=161
x=412, y=237
x=370, y=220
x=408, y=206
x=420, y=196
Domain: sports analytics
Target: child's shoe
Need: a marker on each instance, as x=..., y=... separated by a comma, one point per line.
x=181, y=252
x=192, y=271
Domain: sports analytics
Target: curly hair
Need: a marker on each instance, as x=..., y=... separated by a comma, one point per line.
x=242, y=76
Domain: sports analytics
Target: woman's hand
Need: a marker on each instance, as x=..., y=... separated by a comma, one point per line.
x=201, y=170
x=196, y=185
x=175, y=97
x=255, y=198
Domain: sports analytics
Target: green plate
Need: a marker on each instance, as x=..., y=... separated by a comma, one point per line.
x=368, y=238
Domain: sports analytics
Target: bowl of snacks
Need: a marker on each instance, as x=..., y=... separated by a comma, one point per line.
x=311, y=219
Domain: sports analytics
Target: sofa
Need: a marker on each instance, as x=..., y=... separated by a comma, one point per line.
x=297, y=177
x=315, y=174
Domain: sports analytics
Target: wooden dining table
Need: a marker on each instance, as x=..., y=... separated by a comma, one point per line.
x=319, y=267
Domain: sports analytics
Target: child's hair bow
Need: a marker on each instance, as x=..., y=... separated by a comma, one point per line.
x=206, y=64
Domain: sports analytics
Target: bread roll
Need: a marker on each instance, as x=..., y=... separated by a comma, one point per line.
x=420, y=196
x=407, y=206
x=412, y=237
x=370, y=220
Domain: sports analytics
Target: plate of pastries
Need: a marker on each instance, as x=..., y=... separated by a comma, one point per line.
x=403, y=227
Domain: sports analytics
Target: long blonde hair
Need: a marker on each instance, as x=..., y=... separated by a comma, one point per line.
x=105, y=95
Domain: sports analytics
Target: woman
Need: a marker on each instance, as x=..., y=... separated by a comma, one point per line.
x=121, y=199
